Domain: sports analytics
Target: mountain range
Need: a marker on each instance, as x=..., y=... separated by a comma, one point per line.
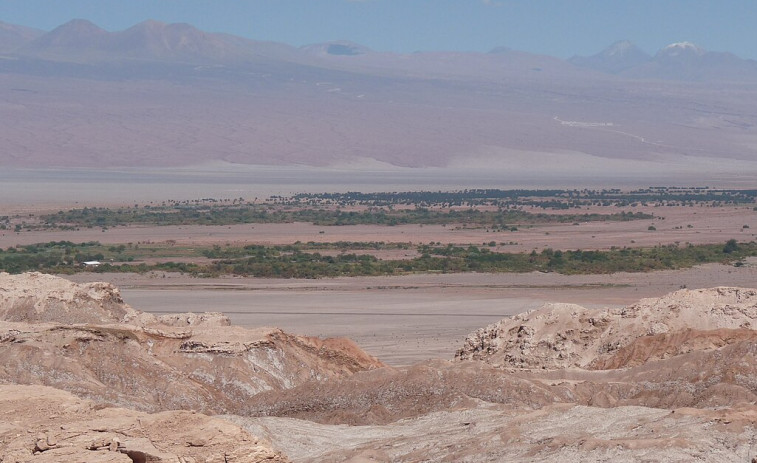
x=677, y=61
x=82, y=41
x=161, y=94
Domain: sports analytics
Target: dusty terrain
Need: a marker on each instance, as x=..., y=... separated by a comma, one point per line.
x=71, y=99
x=690, y=396
x=492, y=433
x=403, y=319
x=596, y=373
x=675, y=382
x=42, y=424
x=674, y=224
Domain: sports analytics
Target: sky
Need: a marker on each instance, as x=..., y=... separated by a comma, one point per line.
x=560, y=28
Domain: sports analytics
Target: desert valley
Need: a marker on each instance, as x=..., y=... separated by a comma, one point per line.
x=214, y=249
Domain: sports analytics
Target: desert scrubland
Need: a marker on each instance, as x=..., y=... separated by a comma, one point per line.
x=214, y=249
x=410, y=317
x=407, y=365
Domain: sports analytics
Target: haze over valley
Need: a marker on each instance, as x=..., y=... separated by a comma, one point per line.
x=170, y=95
x=378, y=231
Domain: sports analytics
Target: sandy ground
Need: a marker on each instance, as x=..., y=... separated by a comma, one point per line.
x=695, y=225
x=405, y=319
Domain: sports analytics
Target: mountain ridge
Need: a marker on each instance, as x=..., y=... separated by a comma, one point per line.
x=618, y=57
x=13, y=36
x=80, y=39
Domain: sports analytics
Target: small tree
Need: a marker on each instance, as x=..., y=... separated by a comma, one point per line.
x=730, y=246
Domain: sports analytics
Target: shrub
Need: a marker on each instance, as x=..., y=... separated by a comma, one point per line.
x=730, y=246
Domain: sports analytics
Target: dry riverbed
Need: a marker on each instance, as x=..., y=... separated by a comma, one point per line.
x=402, y=319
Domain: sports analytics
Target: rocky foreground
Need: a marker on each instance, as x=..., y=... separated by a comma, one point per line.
x=42, y=424
x=86, y=340
x=668, y=379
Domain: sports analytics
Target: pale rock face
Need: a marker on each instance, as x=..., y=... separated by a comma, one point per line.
x=664, y=379
x=38, y=298
x=85, y=339
x=569, y=336
x=195, y=319
x=42, y=424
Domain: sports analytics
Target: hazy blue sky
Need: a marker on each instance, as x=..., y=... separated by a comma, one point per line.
x=554, y=27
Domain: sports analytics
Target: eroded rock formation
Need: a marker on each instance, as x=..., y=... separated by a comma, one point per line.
x=42, y=424
x=569, y=336
x=668, y=379
x=117, y=355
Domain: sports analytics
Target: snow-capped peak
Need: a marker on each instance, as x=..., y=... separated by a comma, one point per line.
x=677, y=48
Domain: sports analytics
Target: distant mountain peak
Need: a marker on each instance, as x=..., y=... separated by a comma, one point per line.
x=13, y=36
x=153, y=26
x=620, y=48
x=156, y=39
x=79, y=26
x=77, y=33
x=150, y=23
x=81, y=40
x=675, y=49
x=689, y=62
x=618, y=57
x=77, y=23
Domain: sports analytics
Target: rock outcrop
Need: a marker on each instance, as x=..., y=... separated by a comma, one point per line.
x=41, y=424
x=114, y=354
x=571, y=336
x=714, y=377
x=558, y=433
x=39, y=298
x=667, y=379
x=687, y=349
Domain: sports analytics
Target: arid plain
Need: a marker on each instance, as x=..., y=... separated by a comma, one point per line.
x=406, y=319
x=449, y=361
